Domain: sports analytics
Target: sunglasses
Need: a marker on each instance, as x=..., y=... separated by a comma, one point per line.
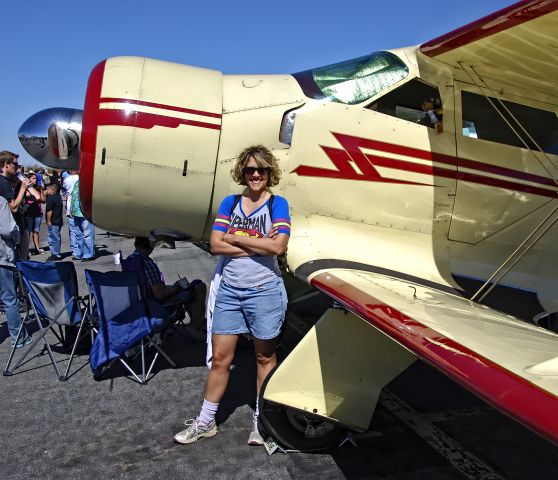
x=252, y=170
x=15, y=164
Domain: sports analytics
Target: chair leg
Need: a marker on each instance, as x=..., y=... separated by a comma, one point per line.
x=78, y=338
x=7, y=372
x=152, y=364
x=143, y=361
x=130, y=370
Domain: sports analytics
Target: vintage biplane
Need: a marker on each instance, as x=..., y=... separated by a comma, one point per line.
x=410, y=173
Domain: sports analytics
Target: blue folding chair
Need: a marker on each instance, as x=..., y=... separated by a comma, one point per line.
x=125, y=321
x=51, y=289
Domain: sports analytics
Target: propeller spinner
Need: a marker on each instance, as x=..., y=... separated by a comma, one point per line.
x=52, y=137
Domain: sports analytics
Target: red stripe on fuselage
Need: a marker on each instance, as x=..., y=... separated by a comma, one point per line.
x=354, y=144
x=159, y=105
x=367, y=162
x=147, y=120
x=502, y=388
x=499, y=21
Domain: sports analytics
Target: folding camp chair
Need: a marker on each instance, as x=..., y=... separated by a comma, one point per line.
x=51, y=289
x=125, y=322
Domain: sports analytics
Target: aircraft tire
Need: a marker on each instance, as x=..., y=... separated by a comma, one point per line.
x=297, y=430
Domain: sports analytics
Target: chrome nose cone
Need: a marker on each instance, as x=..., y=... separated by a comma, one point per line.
x=52, y=137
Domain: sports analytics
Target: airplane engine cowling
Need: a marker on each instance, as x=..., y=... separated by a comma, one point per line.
x=149, y=145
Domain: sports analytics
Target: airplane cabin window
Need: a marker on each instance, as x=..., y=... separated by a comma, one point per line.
x=353, y=81
x=481, y=120
x=415, y=101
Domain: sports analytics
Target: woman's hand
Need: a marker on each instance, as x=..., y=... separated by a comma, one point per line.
x=272, y=233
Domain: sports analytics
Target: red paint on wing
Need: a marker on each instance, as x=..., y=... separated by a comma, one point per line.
x=89, y=139
x=508, y=392
x=499, y=21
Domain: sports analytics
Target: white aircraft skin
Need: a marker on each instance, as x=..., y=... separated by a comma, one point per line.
x=379, y=201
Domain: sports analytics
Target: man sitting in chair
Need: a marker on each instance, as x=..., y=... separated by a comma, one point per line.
x=189, y=295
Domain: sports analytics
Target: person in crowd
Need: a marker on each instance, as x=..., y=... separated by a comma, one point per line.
x=191, y=296
x=84, y=230
x=13, y=190
x=45, y=178
x=33, y=212
x=54, y=220
x=9, y=238
x=68, y=186
x=55, y=178
x=250, y=231
x=39, y=175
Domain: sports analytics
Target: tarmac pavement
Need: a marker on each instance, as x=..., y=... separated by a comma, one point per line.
x=425, y=426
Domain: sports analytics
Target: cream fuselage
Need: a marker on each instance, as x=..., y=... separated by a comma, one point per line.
x=363, y=186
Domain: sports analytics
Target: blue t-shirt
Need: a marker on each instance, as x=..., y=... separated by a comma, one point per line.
x=246, y=272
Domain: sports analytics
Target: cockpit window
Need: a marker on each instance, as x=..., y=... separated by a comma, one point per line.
x=353, y=81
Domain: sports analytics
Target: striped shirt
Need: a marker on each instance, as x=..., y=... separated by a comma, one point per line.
x=245, y=272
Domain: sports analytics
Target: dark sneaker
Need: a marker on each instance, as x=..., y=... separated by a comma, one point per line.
x=88, y=259
x=194, y=431
x=23, y=343
x=53, y=258
x=255, y=439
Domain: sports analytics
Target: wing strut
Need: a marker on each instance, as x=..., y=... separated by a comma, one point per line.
x=517, y=255
x=543, y=227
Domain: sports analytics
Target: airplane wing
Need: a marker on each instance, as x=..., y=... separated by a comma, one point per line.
x=509, y=363
x=516, y=44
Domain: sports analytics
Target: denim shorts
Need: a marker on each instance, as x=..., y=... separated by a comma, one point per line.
x=259, y=310
x=33, y=224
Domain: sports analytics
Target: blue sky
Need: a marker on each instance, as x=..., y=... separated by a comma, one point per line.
x=49, y=48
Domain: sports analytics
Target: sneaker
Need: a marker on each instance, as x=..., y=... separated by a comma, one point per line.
x=194, y=431
x=53, y=258
x=22, y=344
x=255, y=439
x=40, y=251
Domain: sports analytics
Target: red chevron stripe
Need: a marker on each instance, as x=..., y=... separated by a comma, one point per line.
x=342, y=159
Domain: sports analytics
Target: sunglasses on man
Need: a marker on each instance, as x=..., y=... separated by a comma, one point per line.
x=252, y=170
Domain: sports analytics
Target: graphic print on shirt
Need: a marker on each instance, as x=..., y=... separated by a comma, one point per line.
x=249, y=227
x=231, y=219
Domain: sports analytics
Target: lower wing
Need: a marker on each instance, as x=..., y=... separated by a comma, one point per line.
x=511, y=364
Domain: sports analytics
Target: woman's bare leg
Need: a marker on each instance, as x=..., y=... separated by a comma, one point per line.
x=266, y=358
x=223, y=347
x=36, y=241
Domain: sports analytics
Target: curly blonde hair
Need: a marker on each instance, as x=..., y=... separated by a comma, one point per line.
x=264, y=158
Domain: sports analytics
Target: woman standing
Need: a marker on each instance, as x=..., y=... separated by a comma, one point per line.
x=33, y=213
x=249, y=232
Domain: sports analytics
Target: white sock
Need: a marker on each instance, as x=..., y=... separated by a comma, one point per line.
x=257, y=408
x=208, y=411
